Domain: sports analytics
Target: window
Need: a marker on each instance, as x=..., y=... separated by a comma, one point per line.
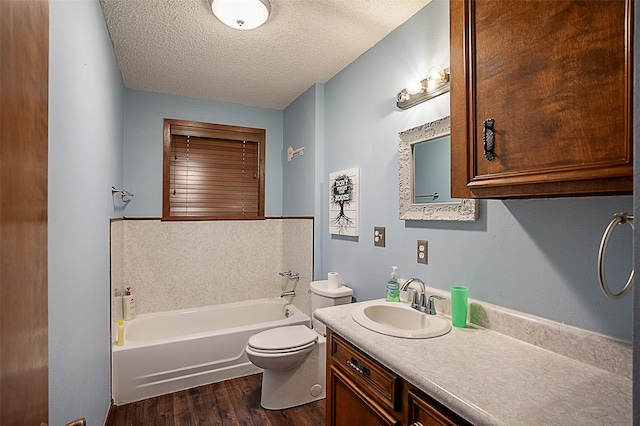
x=212, y=171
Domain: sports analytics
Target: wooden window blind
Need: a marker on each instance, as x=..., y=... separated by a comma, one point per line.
x=212, y=171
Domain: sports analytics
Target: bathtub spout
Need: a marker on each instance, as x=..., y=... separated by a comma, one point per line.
x=288, y=293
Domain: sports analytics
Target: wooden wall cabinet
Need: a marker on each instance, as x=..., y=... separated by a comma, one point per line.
x=556, y=78
x=360, y=391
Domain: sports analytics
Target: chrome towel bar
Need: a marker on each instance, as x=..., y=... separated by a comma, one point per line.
x=123, y=192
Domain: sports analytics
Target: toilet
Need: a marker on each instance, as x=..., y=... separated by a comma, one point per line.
x=293, y=358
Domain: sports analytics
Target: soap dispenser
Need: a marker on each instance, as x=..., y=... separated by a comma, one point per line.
x=393, y=286
x=128, y=305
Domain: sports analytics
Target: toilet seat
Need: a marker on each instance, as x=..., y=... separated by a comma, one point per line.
x=283, y=339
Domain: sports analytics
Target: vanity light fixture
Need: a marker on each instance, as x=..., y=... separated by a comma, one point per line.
x=241, y=14
x=417, y=92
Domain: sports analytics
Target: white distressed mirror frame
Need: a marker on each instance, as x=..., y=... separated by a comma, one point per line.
x=464, y=210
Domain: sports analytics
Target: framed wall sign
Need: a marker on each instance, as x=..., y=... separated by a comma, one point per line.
x=344, y=187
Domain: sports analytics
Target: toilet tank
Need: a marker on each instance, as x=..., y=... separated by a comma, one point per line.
x=322, y=296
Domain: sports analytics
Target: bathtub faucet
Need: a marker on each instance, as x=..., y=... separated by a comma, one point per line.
x=288, y=293
x=290, y=275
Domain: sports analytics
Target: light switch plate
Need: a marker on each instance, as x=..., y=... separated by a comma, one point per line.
x=378, y=236
x=422, y=251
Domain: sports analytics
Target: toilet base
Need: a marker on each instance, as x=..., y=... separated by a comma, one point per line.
x=301, y=385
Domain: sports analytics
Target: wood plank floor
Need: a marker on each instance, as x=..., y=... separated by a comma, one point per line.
x=232, y=402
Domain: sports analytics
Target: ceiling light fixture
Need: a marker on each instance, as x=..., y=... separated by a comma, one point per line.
x=241, y=14
x=416, y=92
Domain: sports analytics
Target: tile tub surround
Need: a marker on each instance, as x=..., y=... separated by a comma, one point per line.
x=492, y=377
x=183, y=264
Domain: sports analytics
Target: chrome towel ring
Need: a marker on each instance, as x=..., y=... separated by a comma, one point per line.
x=618, y=219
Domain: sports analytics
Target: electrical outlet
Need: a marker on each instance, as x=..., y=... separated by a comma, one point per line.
x=378, y=236
x=422, y=251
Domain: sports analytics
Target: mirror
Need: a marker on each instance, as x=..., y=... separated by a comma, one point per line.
x=424, y=166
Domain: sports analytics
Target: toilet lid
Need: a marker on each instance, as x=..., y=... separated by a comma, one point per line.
x=282, y=338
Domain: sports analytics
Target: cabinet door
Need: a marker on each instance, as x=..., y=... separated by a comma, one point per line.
x=555, y=77
x=428, y=413
x=348, y=405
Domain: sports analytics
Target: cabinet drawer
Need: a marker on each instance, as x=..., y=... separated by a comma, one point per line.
x=378, y=381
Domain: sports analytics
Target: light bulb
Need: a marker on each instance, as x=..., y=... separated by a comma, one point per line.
x=414, y=87
x=435, y=77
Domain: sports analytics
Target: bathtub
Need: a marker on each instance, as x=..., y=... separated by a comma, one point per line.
x=170, y=351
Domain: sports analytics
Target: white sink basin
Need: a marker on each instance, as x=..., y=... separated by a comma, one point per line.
x=399, y=320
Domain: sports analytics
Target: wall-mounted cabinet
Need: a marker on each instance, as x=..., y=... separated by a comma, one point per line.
x=541, y=98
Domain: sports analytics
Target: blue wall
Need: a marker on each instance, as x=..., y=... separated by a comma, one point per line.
x=535, y=256
x=86, y=104
x=298, y=176
x=302, y=178
x=145, y=114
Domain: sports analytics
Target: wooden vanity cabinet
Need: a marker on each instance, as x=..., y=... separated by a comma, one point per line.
x=361, y=391
x=556, y=79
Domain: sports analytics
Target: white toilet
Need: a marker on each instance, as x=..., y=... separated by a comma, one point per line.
x=293, y=358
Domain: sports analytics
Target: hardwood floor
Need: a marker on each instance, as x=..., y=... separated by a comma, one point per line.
x=232, y=402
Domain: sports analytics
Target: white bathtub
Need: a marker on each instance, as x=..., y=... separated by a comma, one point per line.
x=170, y=351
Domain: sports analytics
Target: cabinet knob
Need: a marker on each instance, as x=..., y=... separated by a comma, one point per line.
x=488, y=139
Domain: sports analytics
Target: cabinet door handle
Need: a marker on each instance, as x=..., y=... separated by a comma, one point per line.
x=358, y=366
x=488, y=139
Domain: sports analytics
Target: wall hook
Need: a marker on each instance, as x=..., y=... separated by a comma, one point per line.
x=291, y=152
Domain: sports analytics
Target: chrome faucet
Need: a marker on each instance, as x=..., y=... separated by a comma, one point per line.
x=293, y=277
x=290, y=275
x=431, y=306
x=420, y=301
x=417, y=301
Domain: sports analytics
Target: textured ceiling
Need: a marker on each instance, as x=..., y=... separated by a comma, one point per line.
x=179, y=47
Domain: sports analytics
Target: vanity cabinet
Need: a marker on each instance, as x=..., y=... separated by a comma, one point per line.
x=541, y=98
x=361, y=391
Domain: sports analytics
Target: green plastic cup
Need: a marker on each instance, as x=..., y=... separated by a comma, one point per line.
x=459, y=303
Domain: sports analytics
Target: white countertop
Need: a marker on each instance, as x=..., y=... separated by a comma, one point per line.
x=493, y=379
